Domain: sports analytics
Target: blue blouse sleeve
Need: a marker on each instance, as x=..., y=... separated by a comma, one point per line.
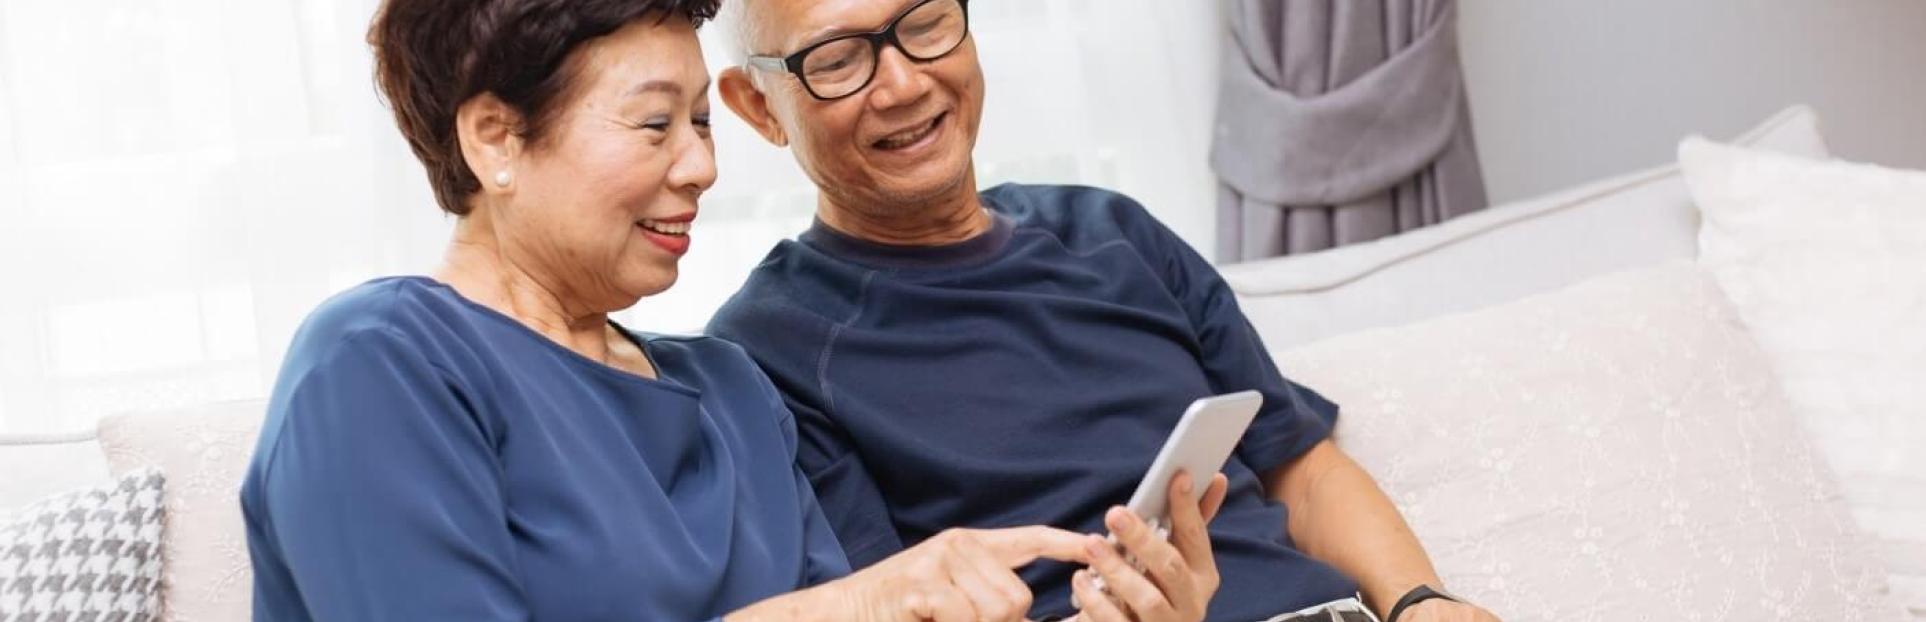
x=788, y=346
x=1293, y=418
x=384, y=493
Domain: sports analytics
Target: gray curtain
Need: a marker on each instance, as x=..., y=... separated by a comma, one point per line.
x=1340, y=121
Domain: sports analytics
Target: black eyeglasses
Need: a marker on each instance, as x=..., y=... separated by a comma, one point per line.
x=841, y=66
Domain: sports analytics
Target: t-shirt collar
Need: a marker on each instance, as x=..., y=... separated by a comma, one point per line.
x=972, y=251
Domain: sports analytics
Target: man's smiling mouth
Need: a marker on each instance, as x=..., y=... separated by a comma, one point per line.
x=911, y=136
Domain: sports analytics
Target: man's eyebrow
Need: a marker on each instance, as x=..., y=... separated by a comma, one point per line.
x=830, y=32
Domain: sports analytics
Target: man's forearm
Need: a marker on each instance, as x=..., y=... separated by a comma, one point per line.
x=1339, y=515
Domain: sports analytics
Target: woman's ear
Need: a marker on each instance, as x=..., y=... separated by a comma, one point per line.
x=491, y=139
x=739, y=92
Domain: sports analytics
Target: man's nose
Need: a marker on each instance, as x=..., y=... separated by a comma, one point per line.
x=898, y=80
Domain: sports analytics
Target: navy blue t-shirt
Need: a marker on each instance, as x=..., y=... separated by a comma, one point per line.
x=1025, y=376
x=426, y=458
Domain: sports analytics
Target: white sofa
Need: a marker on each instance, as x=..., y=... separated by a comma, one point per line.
x=1572, y=415
x=203, y=452
x=1498, y=256
x=38, y=465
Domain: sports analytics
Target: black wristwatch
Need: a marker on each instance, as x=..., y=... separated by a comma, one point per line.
x=1417, y=595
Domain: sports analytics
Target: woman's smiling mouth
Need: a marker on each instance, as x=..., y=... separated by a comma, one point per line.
x=671, y=235
x=666, y=228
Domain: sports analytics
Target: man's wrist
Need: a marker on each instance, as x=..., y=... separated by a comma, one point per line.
x=1420, y=594
x=1381, y=593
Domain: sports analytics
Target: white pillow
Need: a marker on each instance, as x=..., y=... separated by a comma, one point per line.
x=90, y=554
x=204, y=452
x=1616, y=451
x=1826, y=262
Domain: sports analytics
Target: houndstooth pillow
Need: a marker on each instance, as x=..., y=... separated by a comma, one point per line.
x=91, y=554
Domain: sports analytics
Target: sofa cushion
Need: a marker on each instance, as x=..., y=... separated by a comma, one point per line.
x=88, y=554
x=1496, y=255
x=204, y=453
x=1616, y=451
x=1826, y=263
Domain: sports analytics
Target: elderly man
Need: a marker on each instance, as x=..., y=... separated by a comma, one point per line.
x=1017, y=356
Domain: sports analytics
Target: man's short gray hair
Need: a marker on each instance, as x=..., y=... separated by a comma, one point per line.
x=739, y=28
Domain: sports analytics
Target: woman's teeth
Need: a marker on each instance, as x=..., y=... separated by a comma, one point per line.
x=666, y=228
x=908, y=137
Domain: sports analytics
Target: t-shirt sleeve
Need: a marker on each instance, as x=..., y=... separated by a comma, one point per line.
x=850, y=498
x=1293, y=418
x=383, y=494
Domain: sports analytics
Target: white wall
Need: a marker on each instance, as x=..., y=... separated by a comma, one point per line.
x=1568, y=90
x=181, y=181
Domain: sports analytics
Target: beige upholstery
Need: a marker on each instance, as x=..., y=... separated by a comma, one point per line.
x=1617, y=451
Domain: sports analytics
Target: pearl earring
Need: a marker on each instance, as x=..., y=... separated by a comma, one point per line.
x=502, y=178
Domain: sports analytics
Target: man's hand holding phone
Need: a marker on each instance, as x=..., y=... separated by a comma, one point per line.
x=1171, y=580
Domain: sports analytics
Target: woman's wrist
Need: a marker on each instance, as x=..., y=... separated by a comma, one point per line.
x=829, y=602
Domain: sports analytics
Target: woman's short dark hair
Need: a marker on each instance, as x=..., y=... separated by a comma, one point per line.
x=433, y=55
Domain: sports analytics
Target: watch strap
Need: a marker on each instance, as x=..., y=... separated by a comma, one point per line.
x=1416, y=595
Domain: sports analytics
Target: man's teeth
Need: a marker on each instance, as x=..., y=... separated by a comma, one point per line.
x=908, y=137
x=666, y=228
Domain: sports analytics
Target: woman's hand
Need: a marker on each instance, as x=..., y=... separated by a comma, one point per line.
x=960, y=575
x=1178, y=576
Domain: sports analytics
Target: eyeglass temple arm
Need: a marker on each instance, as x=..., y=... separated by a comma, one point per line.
x=768, y=62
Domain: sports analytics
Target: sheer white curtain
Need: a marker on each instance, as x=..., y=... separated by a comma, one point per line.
x=182, y=181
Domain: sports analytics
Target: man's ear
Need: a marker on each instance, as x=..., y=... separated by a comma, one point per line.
x=739, y=92
x=491, y=139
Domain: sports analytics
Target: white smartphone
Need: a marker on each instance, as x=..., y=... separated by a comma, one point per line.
x=1201, y=443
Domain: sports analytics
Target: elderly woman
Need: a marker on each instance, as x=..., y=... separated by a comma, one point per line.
x=485, y=444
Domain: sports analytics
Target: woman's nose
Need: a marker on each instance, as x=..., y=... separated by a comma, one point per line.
x=695, y=166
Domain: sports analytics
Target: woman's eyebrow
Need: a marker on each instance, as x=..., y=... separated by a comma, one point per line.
x=668, y=87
